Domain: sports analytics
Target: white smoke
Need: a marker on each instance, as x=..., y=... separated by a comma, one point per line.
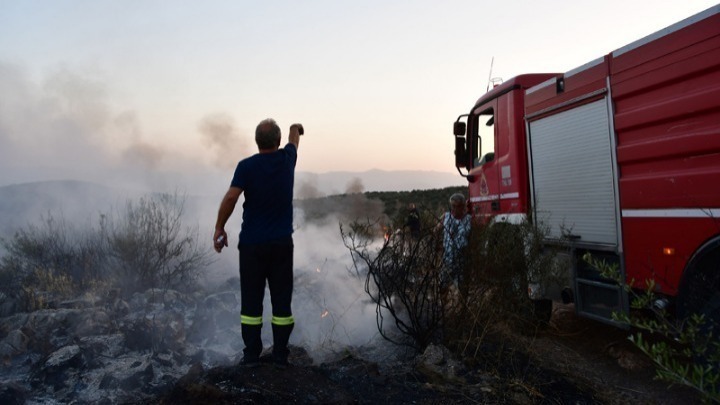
x=333, y=310
x=64, y=126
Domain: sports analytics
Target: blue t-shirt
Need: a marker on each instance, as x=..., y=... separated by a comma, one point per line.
x=267, y=181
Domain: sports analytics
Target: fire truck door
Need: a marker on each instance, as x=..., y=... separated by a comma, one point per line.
x=484, y=189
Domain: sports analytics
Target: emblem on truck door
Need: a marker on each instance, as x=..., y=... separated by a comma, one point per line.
x=484, y=190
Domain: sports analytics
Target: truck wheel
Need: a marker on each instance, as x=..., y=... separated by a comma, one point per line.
x=700, y=291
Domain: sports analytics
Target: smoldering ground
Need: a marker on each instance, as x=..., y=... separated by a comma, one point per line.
x=332, y=311
x=331, y=308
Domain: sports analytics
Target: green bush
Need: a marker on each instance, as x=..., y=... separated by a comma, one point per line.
x=684, y=351
x=502, y=260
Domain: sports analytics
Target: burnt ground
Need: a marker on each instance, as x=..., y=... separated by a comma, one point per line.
x=574, y=361
x=601, y=358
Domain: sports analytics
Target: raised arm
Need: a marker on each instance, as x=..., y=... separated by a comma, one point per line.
x=296, y=130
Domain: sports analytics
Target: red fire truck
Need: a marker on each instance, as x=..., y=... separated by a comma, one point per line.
x=619, y=158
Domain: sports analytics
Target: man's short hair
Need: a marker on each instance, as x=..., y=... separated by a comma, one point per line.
x=457, y=197
x=267, y=134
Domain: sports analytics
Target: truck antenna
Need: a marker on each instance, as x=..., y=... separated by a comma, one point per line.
x=492, y=61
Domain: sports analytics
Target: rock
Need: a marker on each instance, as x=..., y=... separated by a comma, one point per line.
x=108, y=382
x=9, y=305
x=138, y=335
x=90, y=322
x=170, y=299
x=115, y=304
x=225, y=300
x=139, y=378
x=14, y=343
x=217, y=312
x=67, y=356
x=48, y=326
x=81, y=303
x=59, y=370
x=109, y=346
x=12, y=322
x=193, y=373
x=437, y=362
x=12, y=394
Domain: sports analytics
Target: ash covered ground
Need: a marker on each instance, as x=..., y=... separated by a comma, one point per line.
x=166, y=346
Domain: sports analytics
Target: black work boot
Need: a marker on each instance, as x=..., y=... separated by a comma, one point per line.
x=281, y=336
x=251, y=335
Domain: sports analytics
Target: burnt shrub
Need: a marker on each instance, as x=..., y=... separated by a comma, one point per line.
x=407, y=279
x=50, y=259
x=402, y=277
x=143, y=246
x=148, y=246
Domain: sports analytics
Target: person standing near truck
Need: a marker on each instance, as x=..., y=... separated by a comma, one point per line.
x=456, y=225
x=266, y=244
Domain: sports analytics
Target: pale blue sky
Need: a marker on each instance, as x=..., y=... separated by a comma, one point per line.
x=180, y=85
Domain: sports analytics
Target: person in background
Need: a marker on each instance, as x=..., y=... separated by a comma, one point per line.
x=413, y=221
x=266, y=244
x=456, y=230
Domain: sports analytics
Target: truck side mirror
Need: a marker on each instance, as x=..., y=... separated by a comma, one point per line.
x=459, y=128
x=460, y=152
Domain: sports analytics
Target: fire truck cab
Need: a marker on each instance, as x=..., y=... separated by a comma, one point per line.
x=619, y=158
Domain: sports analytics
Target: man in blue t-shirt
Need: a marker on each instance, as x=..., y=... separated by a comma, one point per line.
x=266, y=244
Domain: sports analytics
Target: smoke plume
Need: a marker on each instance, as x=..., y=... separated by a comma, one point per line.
x=355, y=186
x=223, y=139
x=308, y=188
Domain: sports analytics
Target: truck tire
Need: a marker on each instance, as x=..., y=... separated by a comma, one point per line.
x=700, y=289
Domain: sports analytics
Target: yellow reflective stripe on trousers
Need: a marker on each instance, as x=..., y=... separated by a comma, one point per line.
x=283, y=320
x=250, y=320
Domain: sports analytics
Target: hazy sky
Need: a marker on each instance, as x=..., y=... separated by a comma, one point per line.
x=180, y=85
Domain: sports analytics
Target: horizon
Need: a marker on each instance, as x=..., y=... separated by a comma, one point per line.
x=308, y=184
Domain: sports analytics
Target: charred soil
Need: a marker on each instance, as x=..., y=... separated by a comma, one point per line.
x=574, y=361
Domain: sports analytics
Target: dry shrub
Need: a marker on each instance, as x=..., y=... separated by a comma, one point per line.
x=143, y=246
x=404, y=278
x=43, y=285
x=149, y=247
x=502, y=260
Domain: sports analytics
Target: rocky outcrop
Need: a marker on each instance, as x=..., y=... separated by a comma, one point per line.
x=110, y=350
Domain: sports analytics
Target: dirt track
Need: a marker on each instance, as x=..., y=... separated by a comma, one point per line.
x=601, y=357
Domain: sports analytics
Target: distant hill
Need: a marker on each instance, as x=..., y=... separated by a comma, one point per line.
x=26, y=203
x=391, y=205
x=82, y=202
x=310, y=185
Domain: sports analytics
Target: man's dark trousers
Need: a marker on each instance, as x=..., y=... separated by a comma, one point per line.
x=272, y=261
